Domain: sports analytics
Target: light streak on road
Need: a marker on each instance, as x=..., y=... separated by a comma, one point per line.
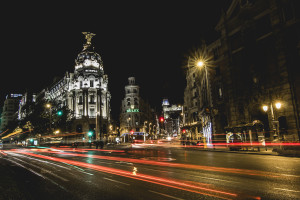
x=147, y=178
x=286, y=190
x=179, y=165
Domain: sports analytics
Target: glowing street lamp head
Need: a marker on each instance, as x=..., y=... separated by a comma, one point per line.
x=48, y=105
x=278, y=105
x=200, y=63
x=265, y=108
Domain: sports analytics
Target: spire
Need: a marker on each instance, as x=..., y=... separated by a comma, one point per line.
x=88, y=37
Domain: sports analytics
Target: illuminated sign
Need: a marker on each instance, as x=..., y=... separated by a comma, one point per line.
x=90, y=70
x=132, y=110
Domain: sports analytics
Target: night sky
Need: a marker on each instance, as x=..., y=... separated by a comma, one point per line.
x=146, y=40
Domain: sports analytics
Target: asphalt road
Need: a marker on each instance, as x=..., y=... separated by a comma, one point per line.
x=156, y=173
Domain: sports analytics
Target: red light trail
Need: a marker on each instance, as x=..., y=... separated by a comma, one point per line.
x=177, y=184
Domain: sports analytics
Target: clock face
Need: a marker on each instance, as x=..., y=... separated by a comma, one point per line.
x=87, y=62
x=96, y=64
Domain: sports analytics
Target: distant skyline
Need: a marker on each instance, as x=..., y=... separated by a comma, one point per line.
x=149, y=42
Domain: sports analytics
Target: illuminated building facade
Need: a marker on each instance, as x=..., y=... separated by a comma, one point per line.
x=85, y=92
x=10, y=109
x=256, y=60
x=172, y=118
x=24, y=106
x=253, y=64
x=136, y=115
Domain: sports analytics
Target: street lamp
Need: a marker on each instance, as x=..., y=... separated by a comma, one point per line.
x=96, y=131
x=145, y=122
x=128, y=123
x=275, y=125
x=200, y=62
x=48, y=105
x=150, y=129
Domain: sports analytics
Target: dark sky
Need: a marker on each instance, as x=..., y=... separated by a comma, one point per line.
x=146, y=40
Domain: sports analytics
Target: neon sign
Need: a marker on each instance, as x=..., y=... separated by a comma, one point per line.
x=132, y=110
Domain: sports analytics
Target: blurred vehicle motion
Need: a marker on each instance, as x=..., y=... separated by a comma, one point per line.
x=234, y=141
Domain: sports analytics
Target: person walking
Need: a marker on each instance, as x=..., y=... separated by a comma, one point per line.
x=101, y=144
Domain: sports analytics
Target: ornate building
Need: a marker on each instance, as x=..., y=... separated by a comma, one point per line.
x=136, y=115
x=85, y=92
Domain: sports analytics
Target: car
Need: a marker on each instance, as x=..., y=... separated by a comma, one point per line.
x=234, y=142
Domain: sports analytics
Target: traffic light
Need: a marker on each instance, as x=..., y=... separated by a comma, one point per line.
x=183, y=130
x=131, y=132
x=90, y=133
x=161, y=119
x=59, y=113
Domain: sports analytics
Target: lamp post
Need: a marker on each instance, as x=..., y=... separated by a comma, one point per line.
x=96, y=131
x=48, y=105
x=145, y=122
x=207, y=119
x=275, y=123
x=200, y=62
x=128, y=122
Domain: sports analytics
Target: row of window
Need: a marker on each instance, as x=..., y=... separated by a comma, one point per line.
x=133, y=91
x=91, y=83
x=92, y=99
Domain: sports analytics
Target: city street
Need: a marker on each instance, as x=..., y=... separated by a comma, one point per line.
x=145, y=173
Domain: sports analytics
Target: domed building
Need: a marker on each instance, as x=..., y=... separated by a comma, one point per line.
x=85, y=92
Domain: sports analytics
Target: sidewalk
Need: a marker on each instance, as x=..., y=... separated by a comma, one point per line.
x=261, y=151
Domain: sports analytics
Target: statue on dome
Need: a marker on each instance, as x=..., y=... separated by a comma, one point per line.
x=88, y=37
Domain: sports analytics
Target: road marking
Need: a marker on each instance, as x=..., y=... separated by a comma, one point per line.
x=43, y=170
x=158, y=170
x=38, y=174
x=116, y=181
x=216, y=179
x=87, y=173
x=286, y=190
x=165, y=195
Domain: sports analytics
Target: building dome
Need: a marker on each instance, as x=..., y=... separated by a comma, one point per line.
x=88, y=57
